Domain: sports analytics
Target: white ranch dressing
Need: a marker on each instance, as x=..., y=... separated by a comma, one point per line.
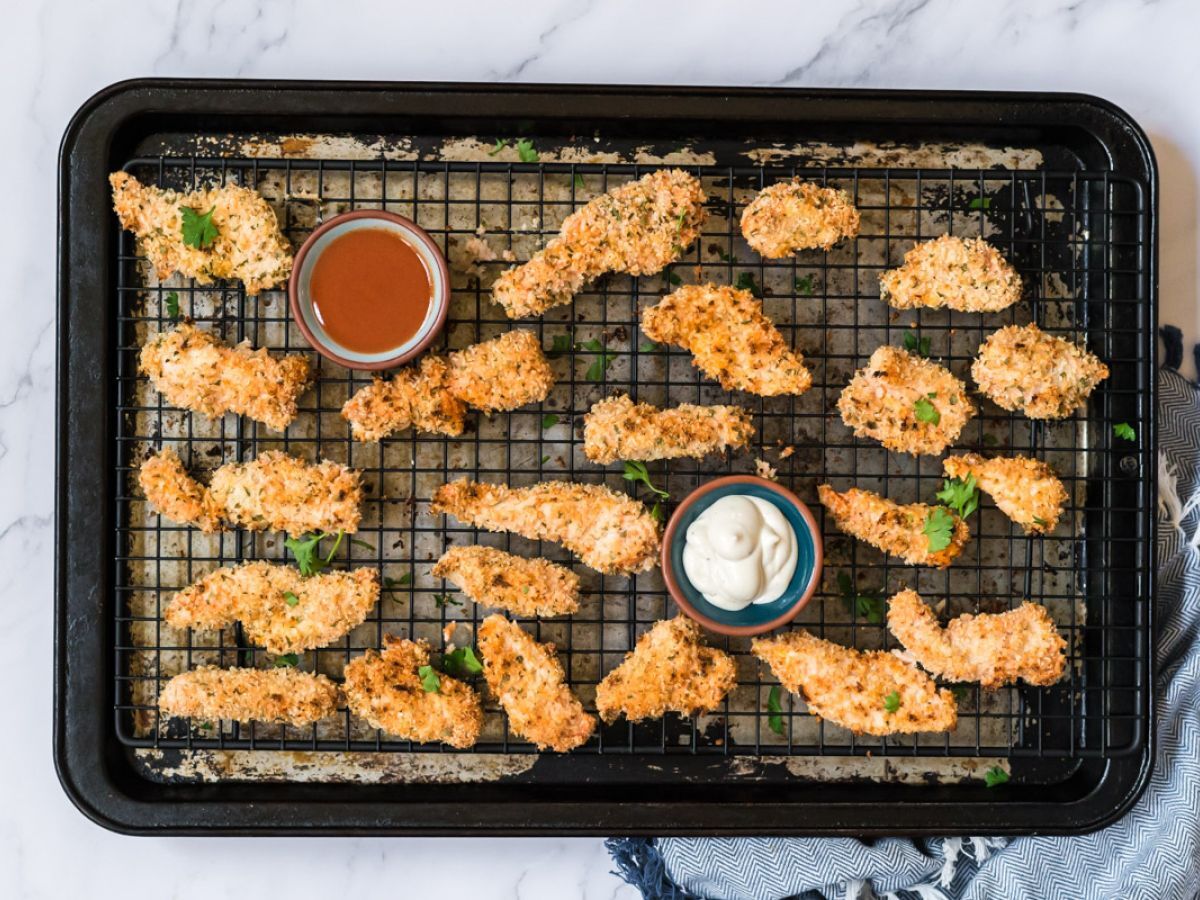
x=739, y=551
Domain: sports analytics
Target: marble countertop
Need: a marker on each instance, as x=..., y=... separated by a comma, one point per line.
x=56, y=53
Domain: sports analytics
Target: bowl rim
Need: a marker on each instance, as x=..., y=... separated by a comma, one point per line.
x=742, y=630
x=413, y=230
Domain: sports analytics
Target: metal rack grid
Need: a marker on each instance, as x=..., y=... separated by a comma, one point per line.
x=1079, y=240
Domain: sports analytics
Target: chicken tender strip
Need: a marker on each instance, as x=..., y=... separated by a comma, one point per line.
x=279, y=609
x=852, y=688
x=501, y=374
x=1023, y=369
x=524, y=587
x=610, y=532
x=669, y=669
x=1026, y=490
x=618, y=428
x=992, y=648
x=528, y=680
x=415, y=397
x=637, y=228
x=730, y=338
x=177, y=495
x=908, y=404
x=798, y=215
x=248, y=247
x=195, y=371
x=243, y=695
x=386, y=690
x=949, y=272
x=893, y=528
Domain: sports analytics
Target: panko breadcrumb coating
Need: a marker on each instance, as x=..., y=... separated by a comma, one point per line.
x=798, y=215
x=637, y=228
x=1026, y=490
x=1023, y=369
x=893, y=528
x=610, y=532
x=992, y=648
x=524, y=587
x=504, y=373
x=967, y=275
x=669, y=669
x=177, y=495
x=528, y=680
x=908, y=404
x=319, y=610
x=249, y=245
x=243, y=695
x=731, y=339
x=386, y=690
x=855, y=689
x=618, y=428
x=195, y=371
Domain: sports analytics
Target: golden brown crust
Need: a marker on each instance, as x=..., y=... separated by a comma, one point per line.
x=993, y=649
x=386, y=690
x=244, y=695
x=967, y=275
x=618, y=428
x=524, y=587
x=882, y=401
x=637, y=228
x=893, y=528
x=176, y=495
x=249, y=245
x=669, y=669
x=851, y=688
x=528, y=680
x=501, y=374
x=415, y=397
x=1023, y=369
x=1026, y=490
x=798, y=215
x=195, y=371
x=730, y=339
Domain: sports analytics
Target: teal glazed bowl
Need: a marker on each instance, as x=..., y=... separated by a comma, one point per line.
x=757, y=617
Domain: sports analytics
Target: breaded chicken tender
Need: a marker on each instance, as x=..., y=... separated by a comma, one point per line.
x=731, y=339
x=669, y=669
x=618, y=428
x=610, y=532
x=992, y=648
x=908, y=404
x=176, y=494
x=243, y=695
x=949, y=272
x=195, y=371
x=871, y=692
x=278, y=609
x=637, y=228
x=528, y=680
x=893, y=528
x=386, y=690
x=1026, y=490
x=1023, y=369
x=524, y=587
x=504, y=373
x=248, y=245
x=798, y=215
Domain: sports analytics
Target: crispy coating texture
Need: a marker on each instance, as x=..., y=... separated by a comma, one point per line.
x=524, y=587
x=798, y=215
x=528, y=680
x=893, y=528
x=949, y=272
x=195, y=371
x=248, y=247
x=501, y=374
x=850, y=687
x=730, y=339
x=385, y=689
x=176, y=494
x=243, y=695
x=669, y=669
x=881, y=402
x=610, y=532
x=618, y=428
x=992, y=648
x=1023, y=369
x=637, y=228
x=1026, y=490
x=326, y=607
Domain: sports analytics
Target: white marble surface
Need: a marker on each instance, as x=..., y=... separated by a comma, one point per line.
x=1142, y=55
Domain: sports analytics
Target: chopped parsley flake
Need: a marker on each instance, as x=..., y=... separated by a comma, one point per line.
x=980, y=203
x=501, y=143
x=198, y=229
x=304, y=549
x=1125, y=430
x=868, y=604
x=560, y=344
x=636, y=471
x=549, y=420
x=939, y=528
x=290, y=599
x=804, y=285
x=892, y=702
x=994, y=776
x=462, y=663
x=745, y=282
x=648, y=347
x=286, y=660
x=171, y=305
x=579, y=185
x=601, y=363
x=526, y=152
x=444, y=600
x=915, y=344
x=926, y=411
x=429, y=679
x=775, y=719
x=961, y=496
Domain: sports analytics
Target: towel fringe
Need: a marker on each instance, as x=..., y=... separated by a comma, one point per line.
x=951, y=847
x=854, y=889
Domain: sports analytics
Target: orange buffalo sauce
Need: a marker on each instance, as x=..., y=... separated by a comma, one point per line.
x=370, y=290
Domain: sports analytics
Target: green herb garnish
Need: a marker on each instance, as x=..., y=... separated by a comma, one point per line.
x=444, y=600
x=501, y=143
x=989, y=440
x=915, y=344
x=926, y=411
x=286, y=660
x=1125, y=430
x=805, y=285
x=961, y=496
x=198, y=228
x=868, y=604
x=171, y=305
x=648, y=347
x=745, y=282
x=357, y=543
x=601, y=363
x=636, y=471
x=892, y=702
x=560, y=344
x=545, y=459
x=980, y=203
x=526, y=152
x=304, y=549
x=549, y=421
x=290, y=599
x=429, y=679
x=462, y=663
x=656, y=511
x=674, y=279
x=403, y=581
x=939, y=528
x=994, y=776
x=579, y=185
x=775, y=719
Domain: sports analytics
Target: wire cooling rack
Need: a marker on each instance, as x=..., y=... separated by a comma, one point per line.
x=1079, y=240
